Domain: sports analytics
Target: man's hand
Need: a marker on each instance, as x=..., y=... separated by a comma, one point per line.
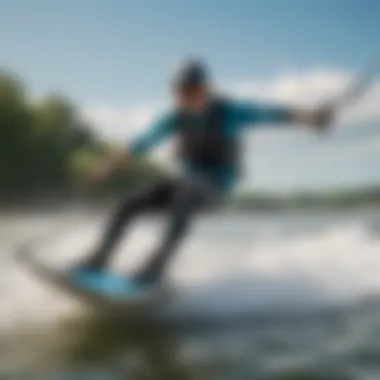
x=98, y=175
x=319, y=119
x=103, y=171
x=322, y=118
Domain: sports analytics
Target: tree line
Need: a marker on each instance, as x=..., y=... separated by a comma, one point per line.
x=366, y=197
x=46, y=148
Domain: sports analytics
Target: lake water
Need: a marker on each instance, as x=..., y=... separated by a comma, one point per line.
x=263, y=296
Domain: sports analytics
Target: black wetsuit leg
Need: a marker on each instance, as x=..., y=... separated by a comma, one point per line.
x=189, y=198
x=156, y=195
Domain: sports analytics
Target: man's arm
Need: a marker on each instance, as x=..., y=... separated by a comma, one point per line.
x=161, y=130
x=245, y=114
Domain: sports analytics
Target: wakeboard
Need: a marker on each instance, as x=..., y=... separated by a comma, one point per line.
x=104, y=290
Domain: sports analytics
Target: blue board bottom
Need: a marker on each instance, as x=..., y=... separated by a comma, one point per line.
x=106, y=283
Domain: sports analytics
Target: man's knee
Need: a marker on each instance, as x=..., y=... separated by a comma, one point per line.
x=195, y=197
x=153, y=196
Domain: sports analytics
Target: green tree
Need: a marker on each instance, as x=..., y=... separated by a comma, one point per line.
x=46, y=148
x=16, y=136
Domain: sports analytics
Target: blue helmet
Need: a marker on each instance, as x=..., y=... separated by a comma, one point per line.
x=191, y=73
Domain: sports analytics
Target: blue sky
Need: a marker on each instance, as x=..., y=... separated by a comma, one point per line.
x=114, y=58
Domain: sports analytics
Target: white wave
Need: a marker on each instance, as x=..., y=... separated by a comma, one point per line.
x=234, y=274
x=310, y=272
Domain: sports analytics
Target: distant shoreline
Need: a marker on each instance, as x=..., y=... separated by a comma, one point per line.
x=369, y=198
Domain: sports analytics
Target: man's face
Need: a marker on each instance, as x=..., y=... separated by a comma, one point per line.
x=191, y=99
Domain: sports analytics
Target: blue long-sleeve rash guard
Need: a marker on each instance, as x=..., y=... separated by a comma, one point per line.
x=239, y=116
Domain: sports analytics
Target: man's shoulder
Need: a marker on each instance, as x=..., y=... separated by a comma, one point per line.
x=232, y=103
x=222, y=99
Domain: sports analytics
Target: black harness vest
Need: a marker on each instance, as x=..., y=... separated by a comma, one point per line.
x=206, y=145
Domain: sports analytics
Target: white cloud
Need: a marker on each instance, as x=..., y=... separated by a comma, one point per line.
x=119, y=123
x=315, y=87
x=297, y=88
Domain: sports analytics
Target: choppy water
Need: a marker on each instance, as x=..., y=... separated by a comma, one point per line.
x=290, y=296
